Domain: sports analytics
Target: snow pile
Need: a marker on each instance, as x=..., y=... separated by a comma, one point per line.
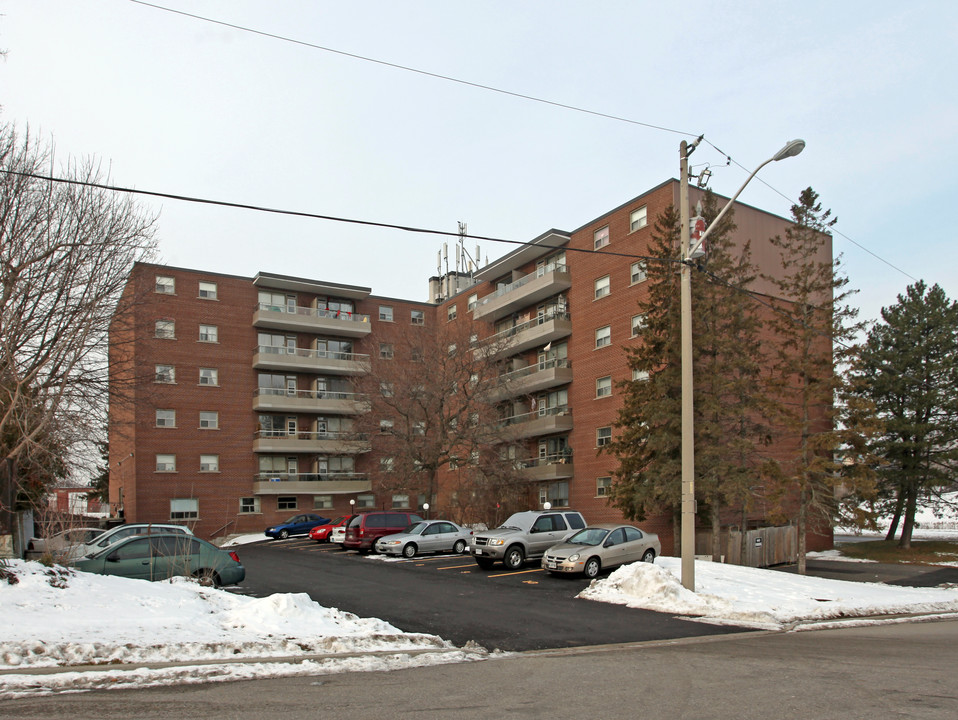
x=752, y=597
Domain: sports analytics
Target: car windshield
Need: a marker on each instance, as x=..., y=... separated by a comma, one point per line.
x=416, y=528
x=293, y=519
x=588, y=536
x=336, y=521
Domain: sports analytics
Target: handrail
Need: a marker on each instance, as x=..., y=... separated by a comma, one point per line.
x=311, y=394
x=310, y=477
x=305, y=435
x=310, y=354
x=536, y=367
x=516, y=284
x=534, y=322
x=536, y=414
x=315, y=312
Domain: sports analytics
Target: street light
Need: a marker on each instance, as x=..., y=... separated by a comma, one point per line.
x=791, y=149
x=425, y=507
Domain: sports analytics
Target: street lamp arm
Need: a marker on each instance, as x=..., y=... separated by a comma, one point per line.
x=790, y=150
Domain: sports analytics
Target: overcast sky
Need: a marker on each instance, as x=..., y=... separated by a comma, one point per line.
x=179, y=105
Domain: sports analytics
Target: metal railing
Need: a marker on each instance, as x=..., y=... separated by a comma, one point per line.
x=516, y=329
x=516, y=284
x=311, y=394
x=534, y=368
x=305, y=435
x=315, y=312
x=310, y=477
x=554, y=459
x=536, y=414
x=311, y=354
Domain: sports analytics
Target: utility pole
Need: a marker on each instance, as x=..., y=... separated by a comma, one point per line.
x=688, y=435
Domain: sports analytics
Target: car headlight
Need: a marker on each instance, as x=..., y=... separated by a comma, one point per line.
x=270, y=529
x=388, y=542
x=573, y=558
x=497, y=541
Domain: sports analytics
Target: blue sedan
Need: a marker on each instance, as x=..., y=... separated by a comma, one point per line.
x=296, y=525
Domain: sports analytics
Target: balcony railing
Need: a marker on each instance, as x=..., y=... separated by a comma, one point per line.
x=511, y=377
x=315, y=312
x=311, y=354
x=503, y=336
x=332, y=362
x=315, y=320
x=535, y=287
x=311, y=394
x=311, y=477
x=309, y=401
x=553, y=459
x=558, y=411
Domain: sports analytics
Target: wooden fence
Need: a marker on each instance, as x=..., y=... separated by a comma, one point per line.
x=764, y=547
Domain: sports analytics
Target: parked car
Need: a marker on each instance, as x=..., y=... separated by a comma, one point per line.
x=600, y=547
x=121, y=532
x=296, y=525
x=321, y=533
x=338, y=535
x=524, y=536
x=162, y=556
x=60, y=544
x=427, y=536
x=363, y=530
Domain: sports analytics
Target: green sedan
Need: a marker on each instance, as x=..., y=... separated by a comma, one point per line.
x=160, y=557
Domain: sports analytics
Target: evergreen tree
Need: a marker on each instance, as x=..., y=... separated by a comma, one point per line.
x=908, y=367
x=100, y=486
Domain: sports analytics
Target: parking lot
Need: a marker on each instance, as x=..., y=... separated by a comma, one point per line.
x=450, y=596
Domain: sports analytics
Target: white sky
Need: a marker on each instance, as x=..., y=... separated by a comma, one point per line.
x=176, y=105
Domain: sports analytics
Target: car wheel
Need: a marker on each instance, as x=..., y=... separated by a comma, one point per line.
x=592, y=567
x=514, y=558
x=649, y=556
x=283, y=534
x=484, y=563
x=207, y=578
x=409, y=550
x=460, y=547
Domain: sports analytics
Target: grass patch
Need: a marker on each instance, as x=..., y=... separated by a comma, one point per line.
x=922, y=552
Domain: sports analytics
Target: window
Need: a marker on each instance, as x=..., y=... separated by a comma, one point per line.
x=209, y=376
x=165, y=374
x=640, y=375
x=602, y=486
x=451, y=312
x=165, y=329
x=386, y=389
x=165, y=285
x=603, y=336
x=385, y=464
x=603, y=436
x=386, y=351
x=184, y=508
x=208, y=333
x=209, y=463
x=419, y=427
x=601, y=237
x=365, y=501
x=472, y=302
x=286, y=502
x=322, y=502
x=385, y=425
x=602, y=287
x=208, y=290
x=416, y=355
x=638, y=219
x=603, y=386
x=638, y=273
x=638, y=322
x=451, y=349
x=166, y=418
x=209, y=420
x=249, y=505
x=166, y=463
x=400, y=501
x=385, y=313
x=417, y=317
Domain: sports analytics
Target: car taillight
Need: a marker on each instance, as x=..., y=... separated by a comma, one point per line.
x=234, y=555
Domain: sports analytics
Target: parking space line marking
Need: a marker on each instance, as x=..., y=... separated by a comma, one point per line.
x=457, y=567
x=519, y=572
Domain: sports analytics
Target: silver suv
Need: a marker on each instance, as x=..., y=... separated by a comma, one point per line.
x=524, y=536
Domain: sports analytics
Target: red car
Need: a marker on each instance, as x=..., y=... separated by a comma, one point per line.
x=321, y=533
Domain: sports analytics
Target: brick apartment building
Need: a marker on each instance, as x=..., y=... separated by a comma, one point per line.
x=233, y=399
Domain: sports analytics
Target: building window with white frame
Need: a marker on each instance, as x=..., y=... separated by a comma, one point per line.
x=209, y=463
x=165, y=285
x=165, y=463
x=386, y=389
x=385, y=464
x=603, y=336
x=207, y=290
x=209, y=376
x=386, y=351
x=638, y=219
x=640, y=375
x=184, y=508
x=472, y=302
x=249, y=506
x=165, y=374
x=209, y=420
x=602, y=486
x=639, y=272
x=602, y=287
x=386, y=425
x=638, y=323
x=400, y=502
x=603, y=386
x=417, y=317
x=365, y=501
x=322, y=502
x=166, y=418
x=209, y=333
x=386, y=313
x=603, y=436
x=600, y=238
x=165, y=329
x=451, y=312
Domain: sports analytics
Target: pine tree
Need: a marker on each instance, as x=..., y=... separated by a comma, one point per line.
x=908, y=368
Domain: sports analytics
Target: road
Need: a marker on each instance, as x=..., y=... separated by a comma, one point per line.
x=887, y=671
x=451, y=597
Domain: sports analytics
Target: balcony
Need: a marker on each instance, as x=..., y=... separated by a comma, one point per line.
x=325, y=443
x=529, y=290
x=311, y=320
x=532, y=379
x=309, y=401
x=311, y=483
x=525, y=336
x=551, y=467
x=286, y=359
x=546, y=421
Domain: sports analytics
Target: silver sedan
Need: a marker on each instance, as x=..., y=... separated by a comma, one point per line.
x=427, y=536
x=600, y=547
